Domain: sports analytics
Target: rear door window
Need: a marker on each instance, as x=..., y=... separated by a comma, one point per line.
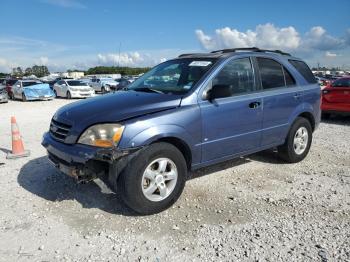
x=304, y=70
x=271, y=73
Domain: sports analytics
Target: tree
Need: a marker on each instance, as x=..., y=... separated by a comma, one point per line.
x=28, y=71
x=40, y=71
x=116, y=70
x=17, y=72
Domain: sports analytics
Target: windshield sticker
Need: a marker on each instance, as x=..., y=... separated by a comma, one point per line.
x=200, y=63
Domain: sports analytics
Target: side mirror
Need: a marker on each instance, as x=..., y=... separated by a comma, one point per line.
x=18, y=85
x=64, y=85
x=218, y=91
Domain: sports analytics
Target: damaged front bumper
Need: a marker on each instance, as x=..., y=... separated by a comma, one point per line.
x=83, y=162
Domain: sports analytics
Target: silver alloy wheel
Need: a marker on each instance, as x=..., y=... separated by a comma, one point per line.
x=159, y=179
x=301, y=139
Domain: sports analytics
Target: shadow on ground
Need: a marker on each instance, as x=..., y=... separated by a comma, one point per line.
x=337, y=120
x=39, y=177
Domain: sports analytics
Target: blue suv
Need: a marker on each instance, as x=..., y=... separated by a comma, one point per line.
x=186, y=113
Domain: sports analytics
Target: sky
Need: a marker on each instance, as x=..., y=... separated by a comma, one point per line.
x=78, y=34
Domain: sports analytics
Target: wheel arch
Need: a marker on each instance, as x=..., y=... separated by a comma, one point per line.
x=181, y=145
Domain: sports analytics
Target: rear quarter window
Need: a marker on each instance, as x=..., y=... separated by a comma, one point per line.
x=304, y=70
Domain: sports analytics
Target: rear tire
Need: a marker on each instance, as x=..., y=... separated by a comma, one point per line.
x=103, y=90
x=298, y=141
x=55, y=92
x=152, y=195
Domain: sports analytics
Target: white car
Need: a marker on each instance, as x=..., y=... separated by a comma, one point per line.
x=103, y=85
x=73, y=89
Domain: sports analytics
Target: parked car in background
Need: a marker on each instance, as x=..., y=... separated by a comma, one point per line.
x=3, y=94
x=203, y=109
x=336, y=97
x=122, y=83
x=103, y=85
x=32, y=90
x=9, y=83
x=73, y=89
x=323, y=82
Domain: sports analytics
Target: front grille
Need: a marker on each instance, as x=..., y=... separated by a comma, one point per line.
x=59, y=131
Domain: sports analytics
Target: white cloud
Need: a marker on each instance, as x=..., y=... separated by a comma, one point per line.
x=43, y=60
x=271, y=37
x=317, y=38
x=66, y=3
x=264, y=36
x=132, y=59
x=329, y=54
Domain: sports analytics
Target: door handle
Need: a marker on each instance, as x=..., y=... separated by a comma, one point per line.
x=254, y=105
x=297, y=95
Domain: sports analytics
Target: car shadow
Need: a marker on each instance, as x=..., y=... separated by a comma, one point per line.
x=337, y=120
x=39, y=177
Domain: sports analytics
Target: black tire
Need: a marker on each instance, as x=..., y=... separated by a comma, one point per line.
x=69, y=96
x=129, y=182
x=103, y=90
x=24, y=98
x=287, y=151
x=55, y=92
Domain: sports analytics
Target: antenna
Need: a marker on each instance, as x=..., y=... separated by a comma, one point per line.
x=120, y=44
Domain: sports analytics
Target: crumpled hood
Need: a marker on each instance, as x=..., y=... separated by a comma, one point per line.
x=114, y=107
x=37, y=87
x=38, y=90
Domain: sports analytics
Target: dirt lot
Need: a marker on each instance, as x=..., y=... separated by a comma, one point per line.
x=254, y=208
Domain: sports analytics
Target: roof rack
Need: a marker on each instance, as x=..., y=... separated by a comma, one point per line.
x=199, y=54
x=251, y=49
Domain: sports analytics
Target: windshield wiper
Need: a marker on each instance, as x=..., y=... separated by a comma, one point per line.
x=146, y=89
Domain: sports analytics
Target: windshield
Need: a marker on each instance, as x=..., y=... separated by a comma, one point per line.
x=24, y=84
x=76, y=83
x=173, y=77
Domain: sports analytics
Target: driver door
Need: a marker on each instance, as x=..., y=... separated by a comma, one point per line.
x=232, y=124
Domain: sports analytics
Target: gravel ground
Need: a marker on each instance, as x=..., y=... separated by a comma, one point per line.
x=249, y=209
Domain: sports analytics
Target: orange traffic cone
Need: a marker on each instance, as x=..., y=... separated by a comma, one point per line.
x=17, y=144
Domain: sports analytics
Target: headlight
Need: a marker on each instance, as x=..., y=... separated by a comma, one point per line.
x=103, y=135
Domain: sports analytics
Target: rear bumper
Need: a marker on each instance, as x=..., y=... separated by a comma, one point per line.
x=82, y=162
x=335, y=107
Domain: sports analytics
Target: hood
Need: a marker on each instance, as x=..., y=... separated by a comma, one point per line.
x=114, y=107
x=108, y=81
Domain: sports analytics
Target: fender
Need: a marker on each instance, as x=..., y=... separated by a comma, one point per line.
x=155, y=133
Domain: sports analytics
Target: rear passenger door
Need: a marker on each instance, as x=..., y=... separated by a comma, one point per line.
x=231, y=125
x=281, y=96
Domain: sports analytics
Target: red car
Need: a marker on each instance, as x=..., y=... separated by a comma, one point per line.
x=336, y=97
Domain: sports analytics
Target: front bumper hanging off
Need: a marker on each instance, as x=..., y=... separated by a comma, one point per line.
x=83, y=162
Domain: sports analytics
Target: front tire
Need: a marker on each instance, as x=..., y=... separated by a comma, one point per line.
x=154, y=179
x=69, y=95
x=298, y=141
x=24, y=98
